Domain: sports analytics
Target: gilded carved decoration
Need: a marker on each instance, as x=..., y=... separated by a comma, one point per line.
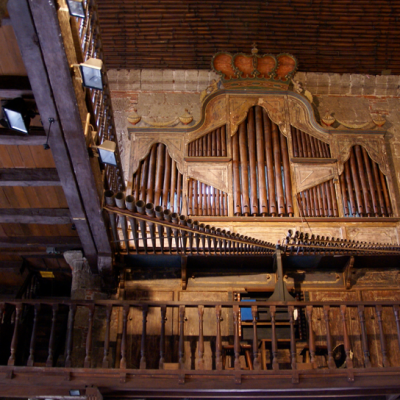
x=238, y=109
x=142, y=143
x=215, y=115
x=374, y=145
x=275, y=107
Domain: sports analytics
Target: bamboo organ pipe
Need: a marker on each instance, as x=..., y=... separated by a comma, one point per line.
x=370, y=177
x=251, y=137
x=236, y=174
x=173, y=186
x=379, y=189
x=262, y=188
x=244, y=169
x=223, y=141
x=167, y=181
x=385, y=193
x=160, y=163
x=277, y=168
x=150, y=179
x=364, y=185
x=269, y=164
x=286, y=173
x=349, y=184
x=356, y=182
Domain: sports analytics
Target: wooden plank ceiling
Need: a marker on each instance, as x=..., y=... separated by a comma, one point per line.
x=341, y=36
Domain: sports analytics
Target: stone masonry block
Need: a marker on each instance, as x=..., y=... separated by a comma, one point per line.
x=192, y=80
x=179, y=80
x=335, y=84
x=168, y=79
x=357, y=84
x=393, y=85
x=151, y=79
x=369, y=85
x=380, y=85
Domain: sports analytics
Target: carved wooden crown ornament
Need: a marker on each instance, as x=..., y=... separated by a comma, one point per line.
x=253, y=70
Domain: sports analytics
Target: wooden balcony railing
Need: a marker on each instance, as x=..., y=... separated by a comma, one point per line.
x=99, y=102
x=155, y=335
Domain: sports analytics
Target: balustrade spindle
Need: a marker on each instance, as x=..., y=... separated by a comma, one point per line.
x=106, y=362
x=256, y=363
x=14, y=341
x=200, y=351
x=162, y=337
x=31, y=358
x=70, y=331
x=385, y=359
x=49, y=362
x=346, y=340
x=181, y=337
x=88, y=356
x=218, y=344
x=274, y=346
x=331, y=362
x=125, y=312
x=292, y=338
x=364, y=339
x=236, y=342
x=145, y=310
x=396, y=311
x=311, y=346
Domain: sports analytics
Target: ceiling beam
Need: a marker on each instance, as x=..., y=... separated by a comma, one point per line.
x=14, y=86
x=40, y=241
x=32, y=56
x=50, y=216
x=47, y=23
x=36, y=137
x=29, y=177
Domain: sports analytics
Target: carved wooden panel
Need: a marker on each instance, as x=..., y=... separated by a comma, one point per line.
x=318, y=201
x=364, y=187
x=212, y=174
x=206, y=200
x=309, y=175
x=377, y=234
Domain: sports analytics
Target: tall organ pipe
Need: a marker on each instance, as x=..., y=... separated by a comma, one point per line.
x=262, y=188
x=244, y=168
x=252, y=158
x=278, y=174
x=286, y=173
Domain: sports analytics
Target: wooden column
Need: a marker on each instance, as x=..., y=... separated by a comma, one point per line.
x=274, y=344
x=14, y=340
x=256, y=354
x=31, y=358
x=385, y=359
x=88, y=357
x=70, y=331
x=200, y=359
x=311, y=340
x=346, y=339
x=218, y=342
x=331, y=362
x=292, y=338
x=181, y=337
x=106, y=361
x=162, y=336
x=125, y=312
x=364, y=338
x=236, y=343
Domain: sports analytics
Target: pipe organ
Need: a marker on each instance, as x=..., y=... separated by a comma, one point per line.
x=364, y=187
x=158, y=180
x=307, y=146
x=261, y=171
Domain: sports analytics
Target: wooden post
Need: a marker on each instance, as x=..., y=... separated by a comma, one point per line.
x=88, y=357
x=143, y=341
x=125, y=312
x=292, y=338
x=364, y=338
x=31, y=358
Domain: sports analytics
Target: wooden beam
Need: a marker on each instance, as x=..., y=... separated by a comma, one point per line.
x=31, y=54
x=40, y=241
x=51, y=216
x=14, y=86
x=29, y=177
x=47, y=23
x=36, y=137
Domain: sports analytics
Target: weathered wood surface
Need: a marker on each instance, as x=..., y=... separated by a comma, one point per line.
x=35, y=216
x=29, y=177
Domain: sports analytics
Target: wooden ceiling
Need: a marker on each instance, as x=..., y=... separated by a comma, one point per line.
x=341, y=36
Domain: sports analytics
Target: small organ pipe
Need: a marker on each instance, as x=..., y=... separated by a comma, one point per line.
x=379, y=189
x=150, y=179
x=179, y=192
x=356, y=181
x=218, y=134
x=214, y=144
x=173, y=186
x=370, y=177
x=385, y=193
x=244, y=168
x=143, y=178
x=167, y=179
x=349, y=184
x=344, y=195
x=223, y=141
x=190, y=197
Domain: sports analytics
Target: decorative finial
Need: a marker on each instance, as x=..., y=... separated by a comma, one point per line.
x=254, y=50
